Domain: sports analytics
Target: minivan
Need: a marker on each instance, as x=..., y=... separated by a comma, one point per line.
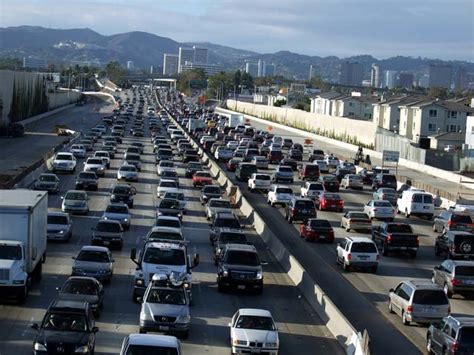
x=384, y=180
x=244, y=171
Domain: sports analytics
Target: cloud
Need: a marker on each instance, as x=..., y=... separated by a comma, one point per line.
x=433, y=28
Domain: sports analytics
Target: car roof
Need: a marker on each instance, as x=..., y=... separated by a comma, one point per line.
x=68, y=304
x=424, y=284
x=153, y=340
x=166, y=245
x=242, y=247
x=95, y=248
x=360, y=239
x=56, y=213
x=169, y=218
x=254, y=312
x=82, y=278
x=463, y=262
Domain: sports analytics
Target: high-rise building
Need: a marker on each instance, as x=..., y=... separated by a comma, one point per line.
x=185, y=55
x=252, y=69
x=313, y=71
x=209, y=69
x=34, y=63
x=170, y=64
x=440, y=76
x=375, y=76
x=270, y=69
x=461, y=81
x=424, y=81
x=405, y=80
x=200, y=55
x=350, y=74
x=130, y=65
x=391, y=79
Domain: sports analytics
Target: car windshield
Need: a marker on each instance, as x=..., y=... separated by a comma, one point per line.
x=242, y=258
x=220, y=204
x=315, y=187
x=175, y=195
x=80, y=287
x=169, y=203
x=94, y=256
x=128, y=168
x=382, y=204
x=387, y=191
x=237, y=238
x=232, y=223
x=304, y=204
x=79, y=196
x=166, y=164
x=169, y=173
x=203, y=174
x=432, y=297
x=329, y=178
x=466, y=336
x=132, y=157
x=166, y=296
x=399, y=228
x=164, y=256
x=363, y=247
x=48, y=178
x=285, y=169
x=255, y=322
x=65, y=322
x=464, y=270
x=358, y=215
x=212, y=190
x=284, y=190
x=111, y=227
x=121, y=190
x=331, y=196
x=168, y=184
x=460, y=218
x=64, y=157
x=94, y=161
x=79, y=147
x=162, y=235
x=86, y=175
x=52, y=219
x=263, y=177
x=10, y=252
x=102, y=154
x=320, y=223
x=194, y=166
x=117, y=209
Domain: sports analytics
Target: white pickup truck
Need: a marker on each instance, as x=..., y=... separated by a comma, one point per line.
x=279, y=194
x=312, y=189
x=259, y=181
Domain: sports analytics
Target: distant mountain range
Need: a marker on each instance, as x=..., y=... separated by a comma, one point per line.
x=146, y=49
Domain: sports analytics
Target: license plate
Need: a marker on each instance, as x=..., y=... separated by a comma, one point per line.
x=333, y=206
x=106, y=242
x=304, y=211
x=426, y=207
x=429, y=310
x=363, y=257
x=322, y=237
x=241, y=287
x=403, y=248
x=255, y=351
x=164, y=328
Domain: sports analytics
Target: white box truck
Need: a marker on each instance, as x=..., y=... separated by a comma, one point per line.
x=23, y=225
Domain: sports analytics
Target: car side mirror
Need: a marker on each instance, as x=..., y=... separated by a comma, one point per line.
x=229, y=324
x=391, y=290
x=34, y=326
x=264, y=263
x=338, y=245
x=58, y=289
x=112, y=260
x=196, y=260
x=95, y=329
x=133, y=254
x=437, y=268
x=436, y=325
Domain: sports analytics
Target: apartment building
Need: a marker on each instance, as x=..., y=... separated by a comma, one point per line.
x=386, y=114
x=322, y=104
x=360, y=107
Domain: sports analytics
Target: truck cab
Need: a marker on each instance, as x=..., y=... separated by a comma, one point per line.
x=164, y=258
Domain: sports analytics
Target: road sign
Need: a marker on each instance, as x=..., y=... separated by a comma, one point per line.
x=269, y=128
x=308, y=141
x=391, y=156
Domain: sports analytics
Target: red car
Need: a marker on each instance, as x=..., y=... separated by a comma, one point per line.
x=232, y=165
x=317, y=230
x=202, y=178
x=330, y=202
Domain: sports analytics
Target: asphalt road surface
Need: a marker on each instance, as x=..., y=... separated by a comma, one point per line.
x=301, y=330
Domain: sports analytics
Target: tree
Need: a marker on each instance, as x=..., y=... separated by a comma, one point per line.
x=246, y=80
x=220, y=84
x=438, y=93
x=191, y=78
x=279, y=103
x=115, y=72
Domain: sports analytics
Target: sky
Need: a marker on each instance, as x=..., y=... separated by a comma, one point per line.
x=441, y=29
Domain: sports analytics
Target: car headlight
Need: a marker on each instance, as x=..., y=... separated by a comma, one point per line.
x=239, y=342
x=103, y=271
x=61, y=232
x=75, y=269
x=271, y=345
x=139, y=282
x=183, y=319
x=125, y=219
x=40, y=347
x=225, y=273
x=259, y=275
x=113, y=196
x=105, y=217
x=82, y=349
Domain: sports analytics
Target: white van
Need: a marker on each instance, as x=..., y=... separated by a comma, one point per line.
x=416, y=202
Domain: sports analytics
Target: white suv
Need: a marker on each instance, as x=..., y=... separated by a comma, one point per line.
x=357, y=252
x=259, y=181
x=279, y=194
x=134, y=343
x=64, y=162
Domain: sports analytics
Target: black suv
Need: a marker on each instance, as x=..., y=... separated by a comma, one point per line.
x=123, y=193
x=222, y=220
x=455, y=276
x=384, y=180
x=210, y=191
x=300, y=209
x=455, y=244
x=244, y=171
x=68, y=327
x=240, y=268
x=192, y=168
x=452, y=336
x=87, y=180
x=227, y=236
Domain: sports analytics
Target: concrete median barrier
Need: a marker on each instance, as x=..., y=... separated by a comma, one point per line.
x=345, y=333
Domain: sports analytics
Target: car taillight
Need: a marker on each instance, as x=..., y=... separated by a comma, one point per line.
x=349, y=256
x=378, y=257
x=451, y=223
x=293, y=210
x=417, y=240
x=410, y=309
x=340, y=202
x=455, y=346
x=455, y=282
x=375, y=209
x=331, y=233
x=389, y=238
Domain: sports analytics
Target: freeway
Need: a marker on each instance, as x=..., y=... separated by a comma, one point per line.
x=366, y=307
x=301, y=330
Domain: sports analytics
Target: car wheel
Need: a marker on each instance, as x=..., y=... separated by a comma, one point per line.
x=437, y=252
x=429, y=345
x=345, y=267
x=384, y=250
x=290, y=219
x=405, y=321
x=407, y=215
x=390, y=308
x=348, y=229
x=142, y=331
x=220, y=287
x=373, y=269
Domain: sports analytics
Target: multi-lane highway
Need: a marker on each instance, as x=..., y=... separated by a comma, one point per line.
x=301, y=330
x=362, y=297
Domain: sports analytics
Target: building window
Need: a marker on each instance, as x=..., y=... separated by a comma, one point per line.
x=452, y=128
x=398, y=121
x=432, y=127
x=453, y=114
x=459, y=128
x=351, y=113
x=433, y=113
x=351, y=104
x=472, y=129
